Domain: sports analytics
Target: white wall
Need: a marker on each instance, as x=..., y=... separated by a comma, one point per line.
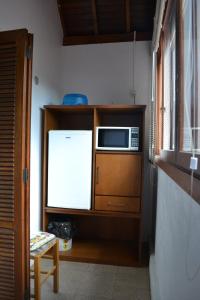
x=104, y=72
x=40, y=18
x=175, y=267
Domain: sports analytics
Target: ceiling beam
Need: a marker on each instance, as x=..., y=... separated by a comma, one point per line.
x=128, y=16
x=94, y=14
x=107, y=38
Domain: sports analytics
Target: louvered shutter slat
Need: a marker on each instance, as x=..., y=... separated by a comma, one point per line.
x=7, y=140
x=7, y=287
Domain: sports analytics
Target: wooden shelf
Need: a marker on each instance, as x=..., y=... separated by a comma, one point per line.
x=119, y=152
x=101, y=108
x=69, y=108
x=54, y=210
x=120, y=253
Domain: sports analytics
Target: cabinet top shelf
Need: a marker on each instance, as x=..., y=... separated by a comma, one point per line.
x=90, y=108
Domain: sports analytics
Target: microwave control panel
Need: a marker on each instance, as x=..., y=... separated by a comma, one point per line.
x=135, y=138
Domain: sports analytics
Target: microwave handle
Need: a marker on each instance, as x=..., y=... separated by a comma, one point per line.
x=97, y=175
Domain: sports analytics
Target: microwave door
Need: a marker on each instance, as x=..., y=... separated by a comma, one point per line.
x=112, y=139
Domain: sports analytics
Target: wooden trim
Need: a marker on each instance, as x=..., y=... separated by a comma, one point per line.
x=106, y=38
x=159, y=100
x=27, y=162
x=181, y=178
x=94, y=13
x=181, y=160
x=20, y=152
x=127, y=15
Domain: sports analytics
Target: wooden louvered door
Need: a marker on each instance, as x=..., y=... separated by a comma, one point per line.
x=14, y=162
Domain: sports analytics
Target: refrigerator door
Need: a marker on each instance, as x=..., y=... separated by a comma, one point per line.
x=69, y=168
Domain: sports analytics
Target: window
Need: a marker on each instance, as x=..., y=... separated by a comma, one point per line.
x=152, y=145
x=177, y=109
x=190, y=42
x=169, y=77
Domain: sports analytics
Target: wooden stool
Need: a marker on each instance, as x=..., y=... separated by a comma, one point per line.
x=37, y=255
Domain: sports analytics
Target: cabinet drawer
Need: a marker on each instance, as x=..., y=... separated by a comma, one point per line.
x=114, y=203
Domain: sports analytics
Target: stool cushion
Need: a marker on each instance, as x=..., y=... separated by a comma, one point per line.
x=39, y=239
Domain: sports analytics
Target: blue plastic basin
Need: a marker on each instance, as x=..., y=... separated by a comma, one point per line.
x=75, y=99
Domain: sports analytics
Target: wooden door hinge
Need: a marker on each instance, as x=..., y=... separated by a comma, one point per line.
x=25, y=175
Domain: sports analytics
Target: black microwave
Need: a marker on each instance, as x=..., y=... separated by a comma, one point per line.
x=117, y=138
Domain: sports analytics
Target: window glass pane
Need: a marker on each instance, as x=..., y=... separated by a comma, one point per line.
x=169, y=84
x=166, y=116
x=191, y=75
x=197, y=130
x=188, y=71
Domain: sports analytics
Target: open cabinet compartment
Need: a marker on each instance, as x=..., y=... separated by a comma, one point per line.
x=105, y=240
x=126, y=117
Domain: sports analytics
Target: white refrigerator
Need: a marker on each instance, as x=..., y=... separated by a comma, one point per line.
x=69, y=169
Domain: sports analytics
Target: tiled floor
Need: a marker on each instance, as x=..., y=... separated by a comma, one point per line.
x=81, y=281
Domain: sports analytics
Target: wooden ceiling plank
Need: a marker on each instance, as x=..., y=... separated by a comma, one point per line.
x=94, y=13
x=128, y=17
x=106, y=38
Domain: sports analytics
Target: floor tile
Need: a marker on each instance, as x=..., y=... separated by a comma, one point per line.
x=142, y=295
x=98, y=269
x=97, y=284
x=135, y=277
x=123, y=291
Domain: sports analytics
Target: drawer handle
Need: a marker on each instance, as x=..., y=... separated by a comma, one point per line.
x=97, y=175
x=117, y=205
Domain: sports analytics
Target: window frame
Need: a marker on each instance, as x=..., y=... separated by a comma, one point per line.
x=177, y=157
x=166, y=155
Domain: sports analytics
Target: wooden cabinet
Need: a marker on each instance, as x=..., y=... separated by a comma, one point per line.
x=118, y=174
x=116, y=203
x=118, y=182
x=113, y=225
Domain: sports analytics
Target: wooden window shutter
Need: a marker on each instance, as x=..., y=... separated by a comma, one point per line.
x=14, y=159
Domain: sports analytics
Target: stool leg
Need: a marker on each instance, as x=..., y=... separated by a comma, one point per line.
x=37, y=278
x=56, y=272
